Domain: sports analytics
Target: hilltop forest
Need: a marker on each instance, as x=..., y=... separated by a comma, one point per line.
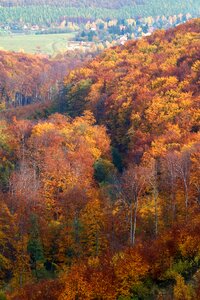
x=76, y=3
x=100, y=191
x=45, y=12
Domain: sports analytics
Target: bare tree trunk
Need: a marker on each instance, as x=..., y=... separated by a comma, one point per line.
x=186, y=197
x=156, y=211
x=173, y=197
x=135, y=221
x=131, y=224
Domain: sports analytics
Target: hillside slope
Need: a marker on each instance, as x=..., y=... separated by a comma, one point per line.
x=145, y=89
x=107, y=208
x=27, y=78
x=76, y=3
x=45, y=12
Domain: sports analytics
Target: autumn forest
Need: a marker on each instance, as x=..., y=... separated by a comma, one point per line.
x=100, y=171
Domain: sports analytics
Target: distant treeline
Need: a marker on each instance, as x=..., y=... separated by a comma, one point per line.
x=44, y=13
x=76, y=3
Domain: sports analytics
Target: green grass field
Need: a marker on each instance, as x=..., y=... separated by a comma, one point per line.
x=44, y=43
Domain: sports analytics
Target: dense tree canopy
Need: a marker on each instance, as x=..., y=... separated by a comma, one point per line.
x=144, y=91
x=103, y=200
x=42, y=12
x=101, y=3
x=26, y=78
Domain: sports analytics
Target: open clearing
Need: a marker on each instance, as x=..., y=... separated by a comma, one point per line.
x=43, y=43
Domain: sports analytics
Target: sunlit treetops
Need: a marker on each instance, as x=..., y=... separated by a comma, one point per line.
x=102, y=201
x=143, y=90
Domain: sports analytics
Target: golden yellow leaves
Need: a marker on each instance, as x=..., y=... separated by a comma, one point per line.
x=182, y=291
x=65, y=151
x=43, y=128
x=95, y=91
x=130, y=268
x=165, y=83
x=93, y=221
x=78, y=74
x=196, y=66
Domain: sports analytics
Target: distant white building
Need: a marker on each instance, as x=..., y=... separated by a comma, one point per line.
x=123, y=39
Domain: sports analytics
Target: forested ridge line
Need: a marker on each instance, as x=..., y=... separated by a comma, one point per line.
x=76, y=3
x=47, y=13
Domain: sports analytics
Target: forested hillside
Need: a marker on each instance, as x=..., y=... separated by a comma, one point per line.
x=23, y=79
x=142, y=89
x=44, y=13
x=27, y=79
x=76, y=3
x=102, y=200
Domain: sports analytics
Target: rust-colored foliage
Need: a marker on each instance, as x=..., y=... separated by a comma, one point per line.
x=104, y=203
